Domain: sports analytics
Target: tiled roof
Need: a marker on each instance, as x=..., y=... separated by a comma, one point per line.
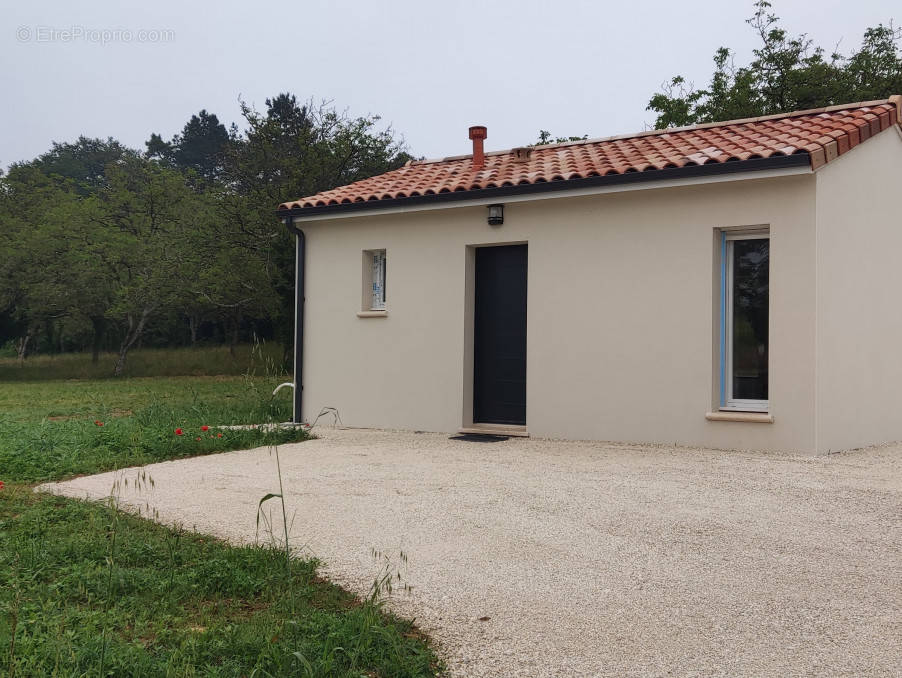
x=821, y=134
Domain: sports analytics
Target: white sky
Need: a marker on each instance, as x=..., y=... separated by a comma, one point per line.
x=429, y=69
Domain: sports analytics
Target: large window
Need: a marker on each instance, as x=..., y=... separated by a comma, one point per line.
x=745, y=297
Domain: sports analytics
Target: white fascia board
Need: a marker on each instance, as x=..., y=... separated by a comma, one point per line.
x=564, y=193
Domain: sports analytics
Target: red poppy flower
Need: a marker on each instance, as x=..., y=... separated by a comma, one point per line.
x=204, y=428
x=198, y=438
x=178, y=431
x=97, y=422
x=219, y=435
x=1, y=485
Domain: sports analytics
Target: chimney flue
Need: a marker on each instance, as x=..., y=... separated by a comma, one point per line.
x=477, y=134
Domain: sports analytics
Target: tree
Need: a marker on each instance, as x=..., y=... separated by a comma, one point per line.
x=200, y=147
x=52, y=244
x=80, y=247
x=158, y=149
x=100, y=243
x=29, y=294
x=290, y=151
x=84, y=162
x=546, y=138
x=148, y=213
x=787, y=73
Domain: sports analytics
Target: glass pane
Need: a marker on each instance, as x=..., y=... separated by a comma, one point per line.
x=750, y=308
x=378, y=278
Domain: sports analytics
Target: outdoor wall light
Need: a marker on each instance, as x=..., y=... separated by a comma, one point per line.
x=496, y=215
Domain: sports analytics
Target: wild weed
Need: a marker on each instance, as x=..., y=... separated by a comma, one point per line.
x=286, y=542
x=14, y=608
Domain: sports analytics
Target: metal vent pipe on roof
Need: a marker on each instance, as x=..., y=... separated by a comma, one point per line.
x=478, y=133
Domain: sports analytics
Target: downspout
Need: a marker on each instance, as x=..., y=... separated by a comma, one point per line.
x=300, y=259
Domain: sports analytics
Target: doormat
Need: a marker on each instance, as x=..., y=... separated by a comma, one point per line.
x=479, y=438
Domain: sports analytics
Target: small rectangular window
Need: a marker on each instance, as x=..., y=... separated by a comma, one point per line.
x=374, y=280
x=745, y=306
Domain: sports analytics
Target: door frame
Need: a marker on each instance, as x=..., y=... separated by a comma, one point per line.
x=467, y=423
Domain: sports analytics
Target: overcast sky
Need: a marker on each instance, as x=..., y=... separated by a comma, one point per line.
x=430, y=69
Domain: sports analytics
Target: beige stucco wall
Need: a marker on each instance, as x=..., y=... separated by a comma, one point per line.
x=859, y=273
x=620, y=314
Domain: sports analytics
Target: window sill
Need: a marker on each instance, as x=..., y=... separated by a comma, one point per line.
x=372, y=314
x=748, y=417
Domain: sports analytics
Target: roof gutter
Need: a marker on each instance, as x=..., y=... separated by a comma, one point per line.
x=797, y=160
x=299, y=270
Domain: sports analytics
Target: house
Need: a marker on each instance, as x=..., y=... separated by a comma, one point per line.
x=729, y=285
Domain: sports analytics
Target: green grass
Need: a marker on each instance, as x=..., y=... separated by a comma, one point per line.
x=161, y=602
x=154, y=362
x=48, y=429
x=84, y=586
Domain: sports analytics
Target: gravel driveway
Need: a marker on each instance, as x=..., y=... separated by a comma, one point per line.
x=587, y=559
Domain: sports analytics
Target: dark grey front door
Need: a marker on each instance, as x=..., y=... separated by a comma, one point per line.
x=499, y=341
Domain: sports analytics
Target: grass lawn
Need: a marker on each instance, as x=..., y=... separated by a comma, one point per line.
x=86, y=590
x=48, y=429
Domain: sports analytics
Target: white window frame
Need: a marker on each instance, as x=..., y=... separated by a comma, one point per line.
x=727, y=403
x=377, y=261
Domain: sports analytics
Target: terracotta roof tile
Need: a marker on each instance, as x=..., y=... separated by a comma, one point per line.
x=822, y=134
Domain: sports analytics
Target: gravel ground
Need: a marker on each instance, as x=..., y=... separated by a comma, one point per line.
x=541, y=558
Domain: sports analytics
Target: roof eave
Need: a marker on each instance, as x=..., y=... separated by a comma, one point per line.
x=687, y=172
